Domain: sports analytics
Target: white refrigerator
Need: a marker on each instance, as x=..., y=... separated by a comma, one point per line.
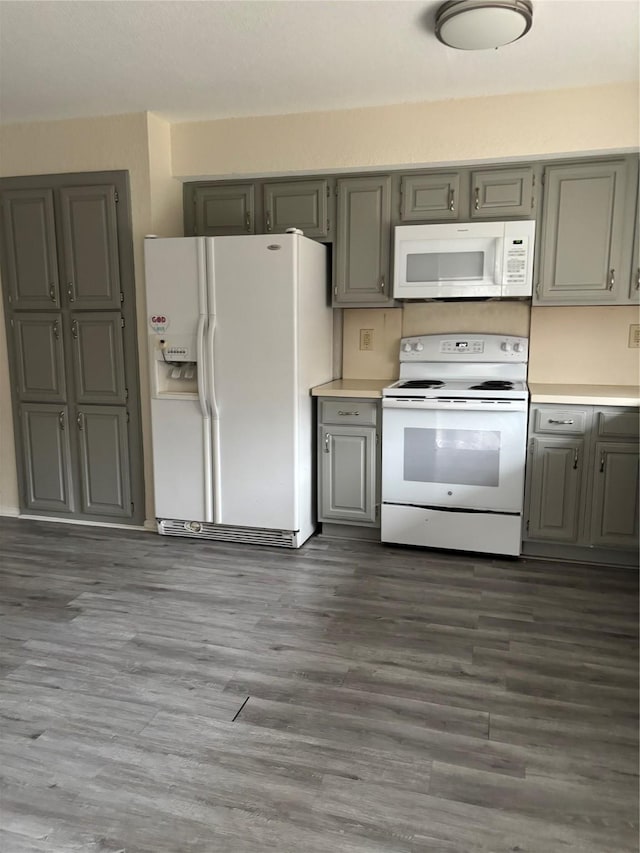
x=240, y=329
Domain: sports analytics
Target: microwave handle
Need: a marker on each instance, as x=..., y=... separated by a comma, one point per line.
x=499, y=261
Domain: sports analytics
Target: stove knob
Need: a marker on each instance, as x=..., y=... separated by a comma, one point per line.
x=505, y=346
x=406, y=347
x=418, y=347
x=518, y=348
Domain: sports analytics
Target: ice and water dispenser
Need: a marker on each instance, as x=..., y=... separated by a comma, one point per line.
x=174, y=367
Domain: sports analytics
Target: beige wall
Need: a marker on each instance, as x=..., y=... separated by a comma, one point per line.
x=157, y=155
x=585, y=344
x=532, y=124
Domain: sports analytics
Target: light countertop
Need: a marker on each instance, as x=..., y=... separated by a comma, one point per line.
x=352, y=388
x=589, y=395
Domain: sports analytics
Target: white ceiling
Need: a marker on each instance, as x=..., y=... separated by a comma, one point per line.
x=194, y=60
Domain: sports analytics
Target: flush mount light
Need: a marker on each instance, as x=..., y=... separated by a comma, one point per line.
x=481, y=24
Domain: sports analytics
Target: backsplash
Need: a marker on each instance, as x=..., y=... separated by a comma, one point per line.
x=383, y=328
x=585, y=344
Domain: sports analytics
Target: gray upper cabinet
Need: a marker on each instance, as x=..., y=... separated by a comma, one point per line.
x=363, y=241
x=104, y=461
x=634, y=285
x=297, y=204
x=437, y=196
x=31, y=260
x=224, y=210
x=90, y=240
x=98, y=358
x=39, y=357
x=45, y=457
x=498, y=193
x=587, y=232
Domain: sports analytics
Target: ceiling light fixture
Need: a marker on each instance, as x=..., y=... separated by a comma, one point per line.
x=483, y=24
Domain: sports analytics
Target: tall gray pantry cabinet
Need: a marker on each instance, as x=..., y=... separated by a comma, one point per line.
x=68, y=289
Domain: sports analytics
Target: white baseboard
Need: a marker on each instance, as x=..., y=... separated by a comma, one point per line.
x=11, y=511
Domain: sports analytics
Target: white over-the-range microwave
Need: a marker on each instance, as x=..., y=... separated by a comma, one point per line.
x=464, y=260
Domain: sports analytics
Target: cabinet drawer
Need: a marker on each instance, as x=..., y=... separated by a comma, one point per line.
x=618, y=424
x=568, y=421
x=347, y=411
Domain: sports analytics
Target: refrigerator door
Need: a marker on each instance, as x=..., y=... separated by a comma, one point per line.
x=180, y=421
x=254, y=380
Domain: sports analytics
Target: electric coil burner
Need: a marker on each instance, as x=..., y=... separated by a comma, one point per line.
x=454, y=443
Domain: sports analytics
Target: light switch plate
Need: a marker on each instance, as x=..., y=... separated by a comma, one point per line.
x=634, y=335
x=366, y=339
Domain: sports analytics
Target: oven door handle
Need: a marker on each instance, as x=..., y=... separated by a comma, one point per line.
x=455, y=405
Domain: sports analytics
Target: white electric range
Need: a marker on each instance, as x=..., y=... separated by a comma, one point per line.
x=454, y=432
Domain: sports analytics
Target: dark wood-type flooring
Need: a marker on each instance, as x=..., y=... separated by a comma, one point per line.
x=166, y=695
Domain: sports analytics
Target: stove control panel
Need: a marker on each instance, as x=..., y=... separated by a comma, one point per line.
x=463, y=348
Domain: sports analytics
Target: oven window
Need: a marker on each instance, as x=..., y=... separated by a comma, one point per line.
x=468, y=457
x=445, y=266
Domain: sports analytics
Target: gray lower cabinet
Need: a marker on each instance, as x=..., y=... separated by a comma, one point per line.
x=105, y=488
x=31, y=258
x=582, y=478
x=220, y=210
x=587, y=233
x=502, y=193
x=362, y=258
x=297, y=204
x=46, y=457
x=348, y=461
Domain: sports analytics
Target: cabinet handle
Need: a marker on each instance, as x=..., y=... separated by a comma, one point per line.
x=80, y=421
x=348, y=414
x=327, y=436
x=552, y=421
x=476, y=203
x=638, y=279
x=268, y=217
x=382, y=283
x=575, y=459
x=247, y=221
x=56, y=330
x=452, y=195
x=612, y=279
x=61, y=420
x=74, y=329
x=52, y=292
x=70, y=293
x=602, y=461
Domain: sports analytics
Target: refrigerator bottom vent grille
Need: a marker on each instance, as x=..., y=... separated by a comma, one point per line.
x=250, y=535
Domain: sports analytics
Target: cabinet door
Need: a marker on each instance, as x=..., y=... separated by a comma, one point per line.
x=634, y=285
x=434, y=196
x=296, y=204
x=363, y=241
x=228, y=209
x=556, y=477
x=501, y=192
x=614, y=518
x=347, y=491
x=104, y=461
x=587, y=221
x=98, y=358
x=39, y=357
x=90, y=240
x=45, y=457
x=30, y=249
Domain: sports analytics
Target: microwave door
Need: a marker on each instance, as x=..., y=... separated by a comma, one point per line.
x=445, y=268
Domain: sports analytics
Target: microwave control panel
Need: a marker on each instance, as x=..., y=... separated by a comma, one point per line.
x=516, y=254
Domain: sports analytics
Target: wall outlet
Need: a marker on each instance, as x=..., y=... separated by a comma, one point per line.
x=366, y=339
x=634, y=335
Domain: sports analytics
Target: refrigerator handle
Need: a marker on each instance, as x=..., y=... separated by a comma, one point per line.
x=206, y=418
x=215, y=422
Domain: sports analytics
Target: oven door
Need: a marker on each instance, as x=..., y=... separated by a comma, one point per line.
x=467, y=455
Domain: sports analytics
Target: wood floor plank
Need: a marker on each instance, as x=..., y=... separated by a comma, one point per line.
x=160, y=695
